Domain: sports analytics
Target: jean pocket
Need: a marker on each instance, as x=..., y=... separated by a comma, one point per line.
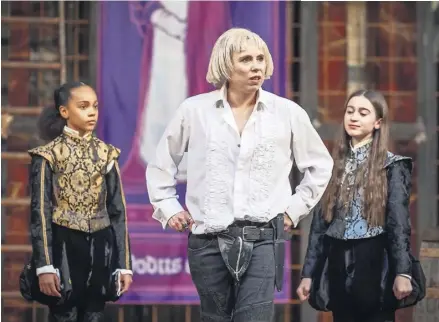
x=196, y=243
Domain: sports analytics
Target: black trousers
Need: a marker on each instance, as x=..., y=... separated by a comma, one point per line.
x=355, y=269
x=222, y=300
x=88, y=268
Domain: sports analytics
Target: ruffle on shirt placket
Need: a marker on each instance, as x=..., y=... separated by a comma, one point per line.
x=262, y=169
x=218, y=178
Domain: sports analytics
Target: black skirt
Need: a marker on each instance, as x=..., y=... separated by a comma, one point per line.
x=355, y=274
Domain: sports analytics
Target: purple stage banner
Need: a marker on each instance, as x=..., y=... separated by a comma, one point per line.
x=152, y=55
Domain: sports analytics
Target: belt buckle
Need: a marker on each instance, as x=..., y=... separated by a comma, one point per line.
x=247, y=230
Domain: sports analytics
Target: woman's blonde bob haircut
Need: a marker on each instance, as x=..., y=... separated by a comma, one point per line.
x=234, y=40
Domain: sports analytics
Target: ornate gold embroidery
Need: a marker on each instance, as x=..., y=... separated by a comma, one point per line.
x=46, y=151
x=79, y=166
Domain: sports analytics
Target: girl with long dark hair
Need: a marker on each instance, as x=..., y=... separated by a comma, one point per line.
x=363, y=218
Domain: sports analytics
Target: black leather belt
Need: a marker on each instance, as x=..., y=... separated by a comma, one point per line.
x=247, y=230
x=251, y=233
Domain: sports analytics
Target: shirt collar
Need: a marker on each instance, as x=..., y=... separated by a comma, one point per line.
x=75, y=134
x=261, y=101
x=361, y=144
x=360, y=151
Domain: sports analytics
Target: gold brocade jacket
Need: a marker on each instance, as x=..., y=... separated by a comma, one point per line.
x=75, y=182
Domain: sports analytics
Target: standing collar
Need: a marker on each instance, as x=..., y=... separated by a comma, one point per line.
x=75, y=134
x=361, y=144
x=261, y=101
x=360, y=152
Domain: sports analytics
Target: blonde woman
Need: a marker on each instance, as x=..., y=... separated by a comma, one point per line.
x=241, y=142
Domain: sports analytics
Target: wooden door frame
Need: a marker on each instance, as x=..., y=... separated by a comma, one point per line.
x=427, y=111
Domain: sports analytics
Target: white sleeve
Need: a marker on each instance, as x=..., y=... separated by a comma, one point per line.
x=313, y=159
x=162, y=170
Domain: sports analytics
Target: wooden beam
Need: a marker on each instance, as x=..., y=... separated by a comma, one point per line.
x=78, y=57
x=42, y=20
x=16, y=156
x=432, y=293
x=16, y=248
x=356, y=45
x=309, y=73
x=29, y=65
x=296, y=267
x=309, y=58
x=22, y=110
x=155, y=313
x=10, y=202
x=93, y=45
x=62, y=42
x=427, y=110
x=187, y=313
x=35, y=20
x=10, y=294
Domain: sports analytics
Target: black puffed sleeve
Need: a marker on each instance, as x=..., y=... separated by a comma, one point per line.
x=315, y=249
x=116, y=207
x=398, y=217
x=41, y=210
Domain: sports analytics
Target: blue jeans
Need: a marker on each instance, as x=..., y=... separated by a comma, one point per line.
x=222, y=300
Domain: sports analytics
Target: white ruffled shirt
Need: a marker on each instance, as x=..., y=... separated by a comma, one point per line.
x=232, y=177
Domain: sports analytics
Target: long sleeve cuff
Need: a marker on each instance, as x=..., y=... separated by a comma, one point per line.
x=166, y=209
x=297, y=209
x=406, y=276
x=46, y=269
x=124, y=271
